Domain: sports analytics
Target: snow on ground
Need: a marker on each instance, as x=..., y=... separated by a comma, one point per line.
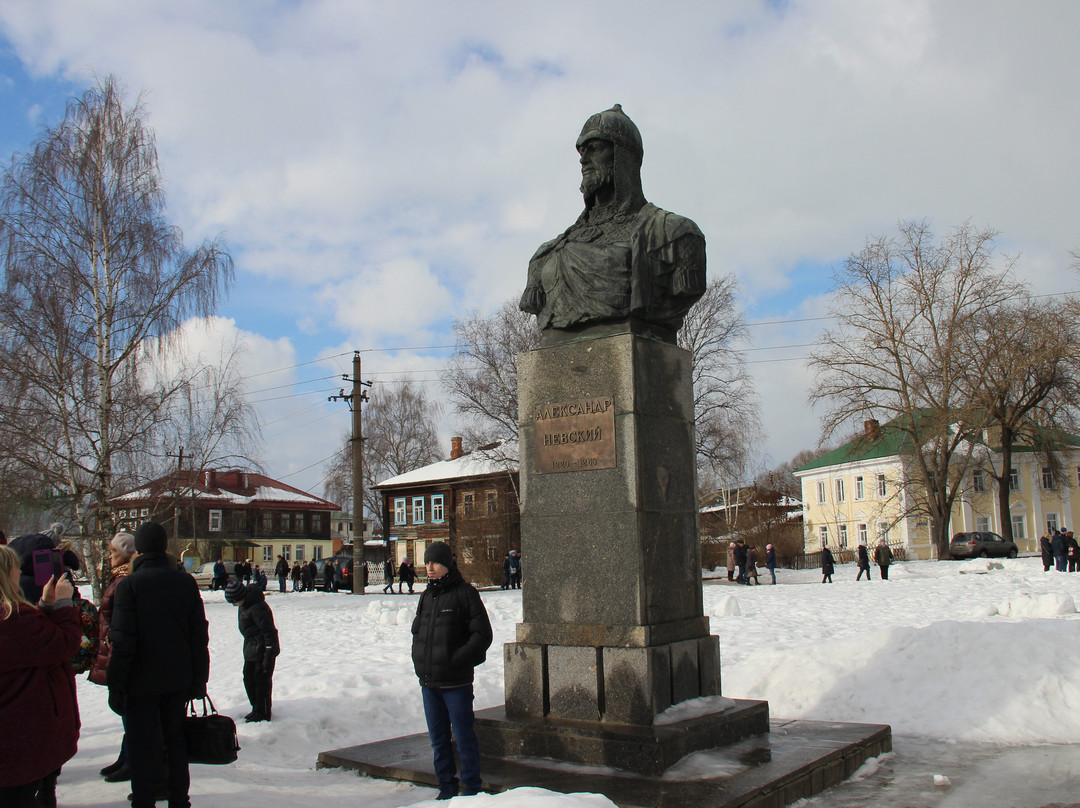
x=950, y=651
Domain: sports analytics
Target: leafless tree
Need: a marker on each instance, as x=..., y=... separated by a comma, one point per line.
x=904, y=354
x=726, y=423
x=94, y=275
x=481, y=377
x=399, y=436
x=1028, y=352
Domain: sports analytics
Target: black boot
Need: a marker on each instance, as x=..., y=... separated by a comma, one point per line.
x=112, y=767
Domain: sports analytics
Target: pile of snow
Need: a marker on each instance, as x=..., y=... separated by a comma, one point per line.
x=931, y=652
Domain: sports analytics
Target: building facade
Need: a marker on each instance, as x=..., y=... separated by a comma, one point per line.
x=860, y=492
x=232, y=515
x=469, y=501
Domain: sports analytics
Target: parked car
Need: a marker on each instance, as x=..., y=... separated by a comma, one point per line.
x=981, y=544
x=204, y=575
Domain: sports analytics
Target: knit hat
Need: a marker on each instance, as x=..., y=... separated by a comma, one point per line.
x=124, y=544
x=439, y=553
x=150, y=537
x=235, y=591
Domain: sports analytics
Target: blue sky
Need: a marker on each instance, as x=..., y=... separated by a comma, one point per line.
x=377, y=168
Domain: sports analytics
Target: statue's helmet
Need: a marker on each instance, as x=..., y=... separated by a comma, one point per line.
x=614, y=125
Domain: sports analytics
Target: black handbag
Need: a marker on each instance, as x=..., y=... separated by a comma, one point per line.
x=211, y=738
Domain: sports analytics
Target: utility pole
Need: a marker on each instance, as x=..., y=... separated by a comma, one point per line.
x=355, y=399
x=176, y=502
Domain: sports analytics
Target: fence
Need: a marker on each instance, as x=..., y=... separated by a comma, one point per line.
x=847, y=555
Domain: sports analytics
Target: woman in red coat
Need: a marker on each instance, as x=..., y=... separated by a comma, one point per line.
x=39, y=713
x=121, y=551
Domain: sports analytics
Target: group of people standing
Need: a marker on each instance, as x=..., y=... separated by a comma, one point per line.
x=1060, y=550
x=512, y=571
x=742, y=562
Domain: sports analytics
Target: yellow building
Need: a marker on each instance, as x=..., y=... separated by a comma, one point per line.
x=859, y=492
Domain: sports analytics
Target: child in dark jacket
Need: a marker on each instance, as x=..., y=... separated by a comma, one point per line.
x=261, y=648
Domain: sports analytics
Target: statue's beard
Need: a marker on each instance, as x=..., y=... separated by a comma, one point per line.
x=593, y=181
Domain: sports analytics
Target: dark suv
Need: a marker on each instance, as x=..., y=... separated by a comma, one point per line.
x=981, y=545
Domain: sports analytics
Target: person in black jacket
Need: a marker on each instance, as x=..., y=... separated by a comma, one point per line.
x=261, y=648
x=864, y=562
x=160, y=659
x=827, y=565
x=388, y=574
x=451, y=635
x=282, y=573
x=25, y=545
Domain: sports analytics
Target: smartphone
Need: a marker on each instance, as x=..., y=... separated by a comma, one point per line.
x=47, y=564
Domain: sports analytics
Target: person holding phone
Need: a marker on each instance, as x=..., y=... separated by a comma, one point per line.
x=38, y=686
x=26, y=545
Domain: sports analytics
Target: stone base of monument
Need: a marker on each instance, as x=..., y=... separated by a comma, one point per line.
x=792, y=760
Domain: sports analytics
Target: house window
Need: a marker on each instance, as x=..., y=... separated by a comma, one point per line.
x=239, y=520
x=299, y=552
x=286, y=523
x=492, y=502
x=267, y=522
x=982, y=524
x=268, y=553
x=882, y=490
x=144, y=512
x=316, y=523
x=1047, y=478
x=978, y=481
x=1051, y=522
x=842, y=535
x=823, y=535
x=467, y=503
x=286, y=550
x=1018, y=526
x=839, y=490
x=298, y=523
x=122, y=514
x=883, y=530
x=1014, y=479
x=418, y=510
x=860, y=491
x=399, y=512
x=861, y=529
x=821, y=492
x=316, y=552
x=215, y=521
x=438, y=513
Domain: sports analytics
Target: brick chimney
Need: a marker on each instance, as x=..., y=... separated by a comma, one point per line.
x=455, y=448
x=871, y=428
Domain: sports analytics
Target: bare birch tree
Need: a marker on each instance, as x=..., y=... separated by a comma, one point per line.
x=93, y=274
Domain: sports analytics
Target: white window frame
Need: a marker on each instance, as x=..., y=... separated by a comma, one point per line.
x=978, y=481
x=1019, y=526
x=860, y=488
x=821, y=492
x=438, y=508
x=1047, y=478
x=823, y=535
x=882, y=486
x=215, y=521
x=840, y=494
x=268, y=553
x=1014, y=479
x=982, y=524
x=418, y=511
x=299, y=553
x=883, y=530
x=316, y=552
x=861, y=531
x=841, y=536
x=400, y=515
x=1053, y=522
x=286, y=550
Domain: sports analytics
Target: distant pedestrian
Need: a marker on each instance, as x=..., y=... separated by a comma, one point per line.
x=221, y=575
x=883, y=558
x=751, y=565
x=296, y=575
x=248, y=572
x=1046, y=549
x=406, y=576
x=770, y=561
x=731, y=561
x=1060, y=549
x=388, y=574
x=827, y=565
x=740, y=561
x=1072, y=552
x=515, y=570
x=258, y=579
x=328, y=576
x=506, y=572
x=311, y=569
x=282, y=572
x=864, y=562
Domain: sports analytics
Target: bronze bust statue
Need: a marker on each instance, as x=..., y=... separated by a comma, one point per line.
x=625, y=264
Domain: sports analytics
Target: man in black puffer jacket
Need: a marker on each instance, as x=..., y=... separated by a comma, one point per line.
x=261, y=647
x=451, y=635
x=160, y=659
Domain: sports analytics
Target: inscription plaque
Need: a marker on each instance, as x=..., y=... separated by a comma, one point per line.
x=575, y=435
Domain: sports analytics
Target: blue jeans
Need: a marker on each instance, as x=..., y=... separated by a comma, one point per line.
x=449, y=708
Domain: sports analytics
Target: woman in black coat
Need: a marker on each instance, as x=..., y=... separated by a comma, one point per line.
x=864, y=562
x=827, y=565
